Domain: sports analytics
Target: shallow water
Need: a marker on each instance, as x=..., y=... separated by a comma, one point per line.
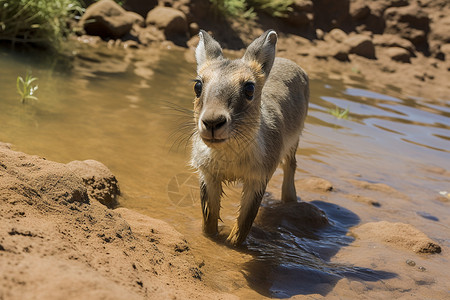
x=117, y=107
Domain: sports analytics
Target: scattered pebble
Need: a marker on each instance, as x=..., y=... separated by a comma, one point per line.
x=444, y=193
x=411, y=262
x=422, y=269
x=427, y=216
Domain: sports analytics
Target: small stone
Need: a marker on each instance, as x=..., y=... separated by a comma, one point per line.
x=337, y=35
x=320, y=34
x=303, y=5
x=411, y=262
x=359, y=10
x=421, y=269
x=194, y=29
x=299, y=18
x=361, y=45
x=391, y=40
x=399, y=54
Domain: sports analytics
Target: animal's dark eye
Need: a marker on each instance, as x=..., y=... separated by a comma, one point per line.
x=249, y=90
x=198, y=88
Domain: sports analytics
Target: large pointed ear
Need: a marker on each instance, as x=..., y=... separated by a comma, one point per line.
x=262, y=50
x=207, y=49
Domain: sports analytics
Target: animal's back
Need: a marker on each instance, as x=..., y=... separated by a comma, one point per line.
x=285, y=100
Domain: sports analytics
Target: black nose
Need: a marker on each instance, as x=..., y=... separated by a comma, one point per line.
x=214, y=124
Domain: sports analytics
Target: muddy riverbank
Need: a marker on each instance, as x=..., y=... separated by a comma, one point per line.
x=387, y=44
x=57, y=240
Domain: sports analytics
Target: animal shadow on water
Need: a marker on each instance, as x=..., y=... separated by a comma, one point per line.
x=292, y=245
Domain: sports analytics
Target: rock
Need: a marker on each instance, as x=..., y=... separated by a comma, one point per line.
x=301, y=14
x=397, y=3
x=302, y=5
x=171, y=21
x=411, y=22
x=101, y=184
x=315, y=184
x=142, y=7
x=298, y=214
x=130, y=44
x=391, y=40
x=359, y=10
x=337, y=35
x=398, y=235
x=195, y=10
x=361, y=45
x=374, y=20
x=89, y=39
x=440, y=30
x=194, y=29
x=150, y=34
x=439, y=36
x=445, y=49
x=299, y=18
x=107, y=19
x=399, y=54
x=340, y=53
x=331, y=48
x=413, y=15
x=320, y=34
x=329, y=14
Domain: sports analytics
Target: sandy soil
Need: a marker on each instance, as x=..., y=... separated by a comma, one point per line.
x=58, y=242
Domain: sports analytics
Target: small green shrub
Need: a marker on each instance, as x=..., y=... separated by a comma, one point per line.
x=26, y=88
x=42, y=22
x=276, y=8
x=338, y=113
x=247, y=8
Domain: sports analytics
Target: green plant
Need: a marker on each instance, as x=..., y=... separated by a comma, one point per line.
x=338, y=113
x=37, y=21
x=233, y=8
x=26, y=88
x=276, y=8
x=246, y=8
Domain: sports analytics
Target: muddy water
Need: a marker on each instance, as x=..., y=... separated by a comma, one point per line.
x=118, y=108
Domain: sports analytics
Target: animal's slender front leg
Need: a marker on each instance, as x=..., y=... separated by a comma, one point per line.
x=288, y=193
x=252, y=195
x=210, y=192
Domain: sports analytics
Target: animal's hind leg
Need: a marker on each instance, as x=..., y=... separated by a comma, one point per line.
x=288, y=193
x=210, y=193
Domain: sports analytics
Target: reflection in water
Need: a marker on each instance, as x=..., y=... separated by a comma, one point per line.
x=292, y=245
x=110, y=105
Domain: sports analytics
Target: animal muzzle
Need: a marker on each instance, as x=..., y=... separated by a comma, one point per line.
x=214, y=127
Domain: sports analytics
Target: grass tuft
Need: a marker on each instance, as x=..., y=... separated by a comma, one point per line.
x=43, y=22
x=340, y=113
x=26, y=88
x=247, y=8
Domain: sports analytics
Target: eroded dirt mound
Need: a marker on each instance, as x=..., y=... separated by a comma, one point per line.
x=58, y=243
x=398, y=235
